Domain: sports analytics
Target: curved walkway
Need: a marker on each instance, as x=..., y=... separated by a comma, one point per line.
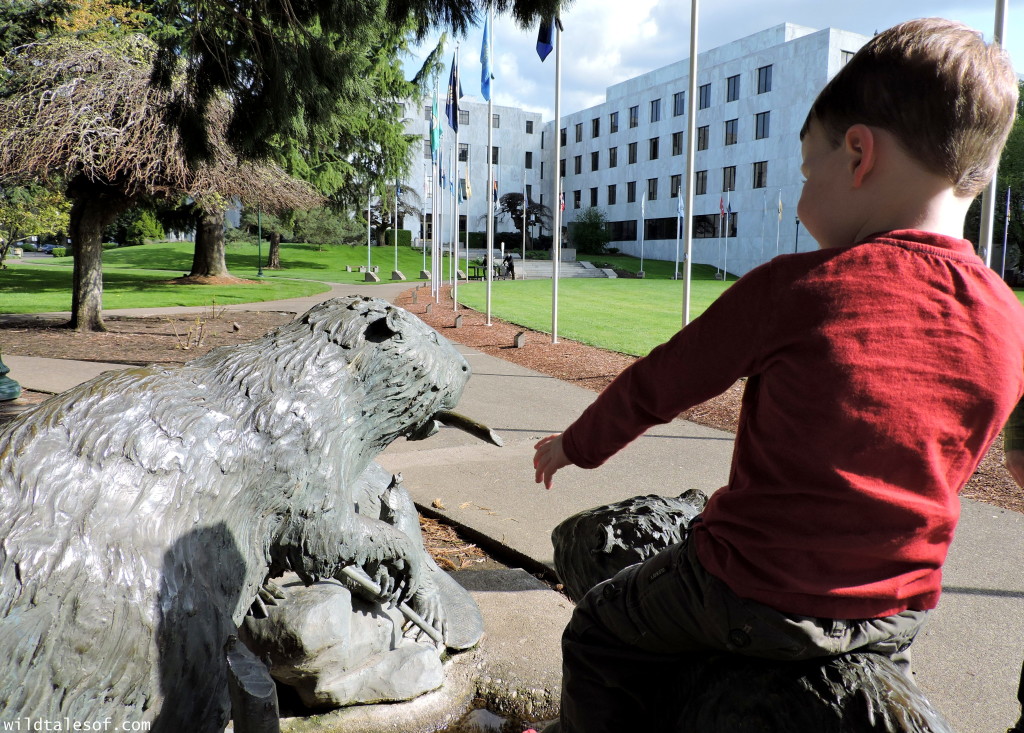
x=967, y=659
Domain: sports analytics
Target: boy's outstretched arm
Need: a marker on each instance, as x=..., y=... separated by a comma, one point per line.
x=548, y=458
x=1014, y=444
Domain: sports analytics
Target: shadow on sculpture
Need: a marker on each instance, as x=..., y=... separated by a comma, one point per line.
x=853, y=693
x=143, y=512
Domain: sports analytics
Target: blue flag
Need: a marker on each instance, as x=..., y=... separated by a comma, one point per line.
x=451, y=104
x=485, y=62
x=544, y=39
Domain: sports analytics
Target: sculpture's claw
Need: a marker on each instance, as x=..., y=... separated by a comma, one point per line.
x=258, y=609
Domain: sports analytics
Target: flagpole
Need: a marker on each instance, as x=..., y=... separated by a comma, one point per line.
x=778, y=225
x=489, y=46
x=369, y=203
x=988, y=195
x=453, y=255
x=556, y=242
x=728, y=216
x=764, y=212
x=643, y=200
x=455, y=239
x=1006, y=232
x=526, y=201
x=396, y=225
x=691, y=144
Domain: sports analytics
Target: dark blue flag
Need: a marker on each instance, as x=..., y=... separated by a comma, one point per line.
x=544, y=39
x=451, y=104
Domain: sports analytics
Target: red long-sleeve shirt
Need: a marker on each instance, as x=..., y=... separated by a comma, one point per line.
x=878, y=376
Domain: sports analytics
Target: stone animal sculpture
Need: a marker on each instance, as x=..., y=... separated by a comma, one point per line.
x=853, y=693
x=141, y=512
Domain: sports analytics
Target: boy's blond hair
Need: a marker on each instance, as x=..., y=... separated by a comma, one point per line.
x=947, y=96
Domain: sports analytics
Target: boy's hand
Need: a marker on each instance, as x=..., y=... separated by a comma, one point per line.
x=1015, y=465
x=549, y=458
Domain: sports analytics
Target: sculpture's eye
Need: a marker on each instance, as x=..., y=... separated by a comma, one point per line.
x=378, y=331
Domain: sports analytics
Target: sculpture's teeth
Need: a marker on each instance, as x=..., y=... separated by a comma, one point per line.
x=468, y=425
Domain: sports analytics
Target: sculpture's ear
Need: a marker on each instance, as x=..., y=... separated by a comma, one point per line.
x=380, y=330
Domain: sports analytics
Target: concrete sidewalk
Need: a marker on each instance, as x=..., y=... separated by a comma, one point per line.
x=967, y=660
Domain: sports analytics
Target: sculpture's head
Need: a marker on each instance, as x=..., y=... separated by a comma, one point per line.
x=359, y=363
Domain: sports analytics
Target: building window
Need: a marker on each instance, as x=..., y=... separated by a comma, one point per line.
x=562, y=137
x=427, y=112
x=613, y=157
x=704, y=98
x=613, y=122
x=595, y=160
x=579, y=132
x=463, y=117
x=702, y=137
x=710, y=226
x=495, y=121
x=653, y=148
x=761, y=174
x=463, y=152
x=700, y=183
x=678, y=104
x=593, y=196
x=611, y=194
x=632, y=153
x=561, y=168
x=729, y=178
x=595, y=127
x=634, y=116
x=761, y=120
x=764, y=79
x=529, y=193
x=542, y=170
x=631, y=192
x=577, y=164
x=529, y=159
x=426, y=149
x=731, y=127
x=622, y=231
x=652, y=189
x=674, y=184
x=677, y=143
x=577, y=199
x=655, y=110
x=529, y=127
x=845, y=56
x=494, y=154
x=732, y=88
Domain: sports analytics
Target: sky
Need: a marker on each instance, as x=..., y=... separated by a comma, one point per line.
x=608, y=41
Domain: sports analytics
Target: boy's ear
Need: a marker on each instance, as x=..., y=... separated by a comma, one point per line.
x=859, y=143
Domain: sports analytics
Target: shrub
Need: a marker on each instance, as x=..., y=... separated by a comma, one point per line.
x=478, y=240
x=60, y=252
x=533, y=254
x=404, y=237
x=110, y=245
x=144, y=228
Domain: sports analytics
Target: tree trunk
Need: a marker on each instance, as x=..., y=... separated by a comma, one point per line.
x=93, y=209
x=274, y=255
x=208, y=260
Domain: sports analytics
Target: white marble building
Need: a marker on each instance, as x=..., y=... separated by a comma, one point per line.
x=516, y=139
x=755, y=93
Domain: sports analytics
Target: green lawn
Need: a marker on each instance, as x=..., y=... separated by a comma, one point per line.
x=631, y=316
x=301, y=261
x=31, y=289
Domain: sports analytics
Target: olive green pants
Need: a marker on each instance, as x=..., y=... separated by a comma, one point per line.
x=635, y=631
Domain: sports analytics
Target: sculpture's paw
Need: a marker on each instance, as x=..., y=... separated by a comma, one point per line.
x=393, y=579
x=427, y=603
x=268, y=595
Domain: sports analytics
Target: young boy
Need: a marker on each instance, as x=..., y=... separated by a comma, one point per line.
x=879, y=370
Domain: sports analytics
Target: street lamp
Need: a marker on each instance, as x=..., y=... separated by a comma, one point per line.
x=259, y=242
x=796, y=238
